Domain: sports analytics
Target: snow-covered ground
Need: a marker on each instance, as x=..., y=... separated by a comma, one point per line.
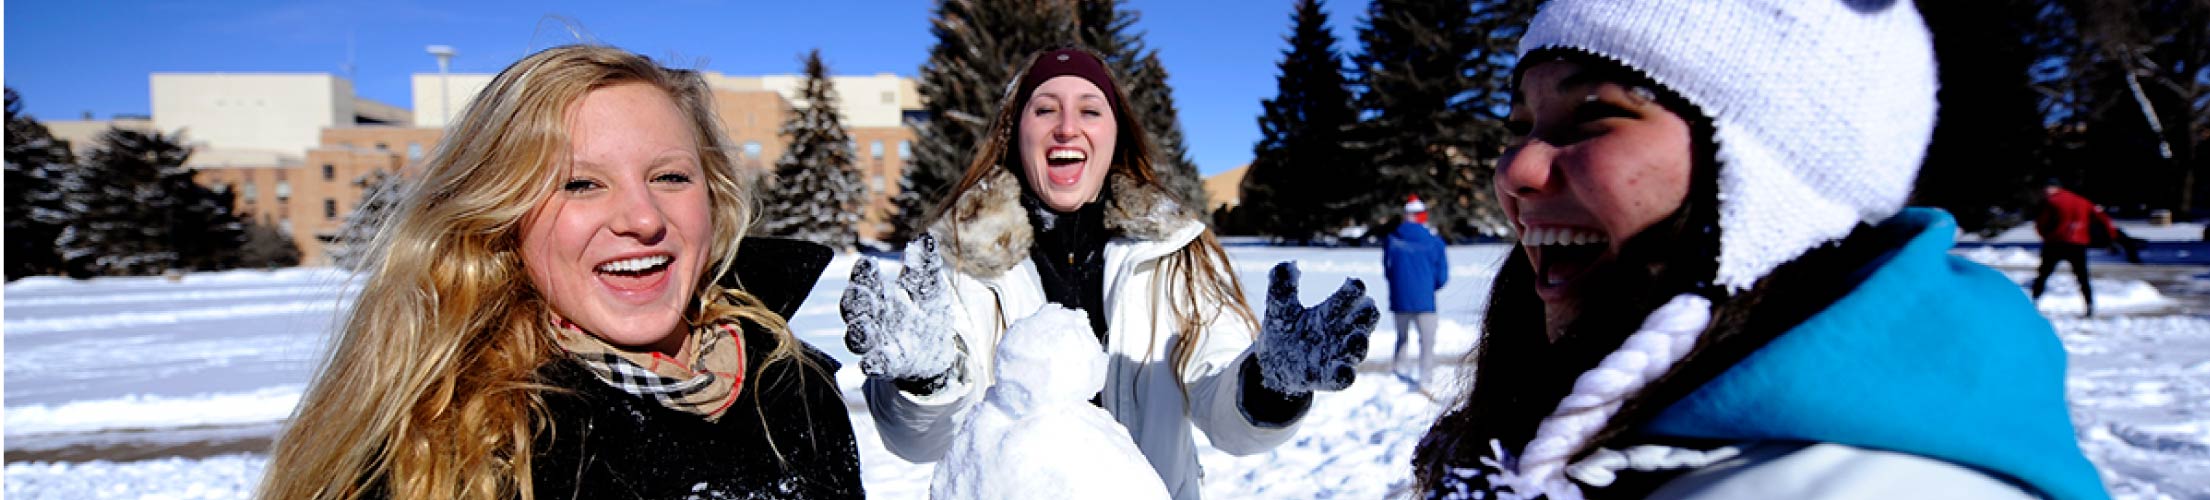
x=150, y=388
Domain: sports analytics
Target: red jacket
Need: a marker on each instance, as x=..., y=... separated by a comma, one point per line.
x=2069, y=218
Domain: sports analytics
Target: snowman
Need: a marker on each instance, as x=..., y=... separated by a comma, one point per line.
x=1035, y=434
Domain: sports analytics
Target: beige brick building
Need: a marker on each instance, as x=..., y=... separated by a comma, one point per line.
x=307, y=189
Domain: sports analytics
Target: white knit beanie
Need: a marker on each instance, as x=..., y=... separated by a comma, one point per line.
x=1821, y=110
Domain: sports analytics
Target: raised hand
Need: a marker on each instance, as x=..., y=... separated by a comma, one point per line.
x=1304, y=349
x=904, y=337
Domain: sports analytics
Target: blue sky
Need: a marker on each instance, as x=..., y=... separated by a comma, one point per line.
x=68, y=58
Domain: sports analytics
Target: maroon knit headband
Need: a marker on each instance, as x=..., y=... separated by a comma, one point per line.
x=1064, y=62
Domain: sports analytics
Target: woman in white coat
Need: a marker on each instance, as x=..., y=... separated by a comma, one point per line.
x=1060, y=205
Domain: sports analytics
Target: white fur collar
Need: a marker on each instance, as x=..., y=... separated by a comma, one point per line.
x=993, y=234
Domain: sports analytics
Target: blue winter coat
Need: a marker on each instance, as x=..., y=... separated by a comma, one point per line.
x=1930, y=355
x=1413, y=261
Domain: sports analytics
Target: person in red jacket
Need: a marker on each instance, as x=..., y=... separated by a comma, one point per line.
x=2068, y=225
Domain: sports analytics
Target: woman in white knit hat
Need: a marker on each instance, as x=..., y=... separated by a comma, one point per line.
x=1717, y=291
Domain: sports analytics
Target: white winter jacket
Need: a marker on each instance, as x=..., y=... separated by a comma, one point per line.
x=994, y=284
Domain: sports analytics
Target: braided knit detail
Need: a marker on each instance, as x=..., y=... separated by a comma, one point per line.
x=1665, y=336
x=1602, y=468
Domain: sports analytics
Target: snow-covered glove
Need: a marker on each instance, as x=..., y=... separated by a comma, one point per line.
x=1305, y=349
x=904, y=337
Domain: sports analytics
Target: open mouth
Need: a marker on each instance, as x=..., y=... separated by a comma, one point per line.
x=1064, y=165
x=635, y=273
x=1561, y=255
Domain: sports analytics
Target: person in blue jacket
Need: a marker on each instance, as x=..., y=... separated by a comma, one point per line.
x=1412, y=260
x=1717, y=291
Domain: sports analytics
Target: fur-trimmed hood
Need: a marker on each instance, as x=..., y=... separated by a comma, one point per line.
x=993, y=233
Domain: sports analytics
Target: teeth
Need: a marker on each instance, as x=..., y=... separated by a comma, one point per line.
x=634, y=265
x=1067, y=154
x=1547, y=236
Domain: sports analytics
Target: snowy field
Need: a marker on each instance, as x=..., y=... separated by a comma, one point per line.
x=151, y=388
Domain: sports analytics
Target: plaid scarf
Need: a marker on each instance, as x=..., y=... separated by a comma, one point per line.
x=704, y=386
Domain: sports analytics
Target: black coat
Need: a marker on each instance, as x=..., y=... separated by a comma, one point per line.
x=607, y=443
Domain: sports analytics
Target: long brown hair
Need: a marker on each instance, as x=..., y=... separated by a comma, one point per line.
x=1200, y=268
x=430, y=390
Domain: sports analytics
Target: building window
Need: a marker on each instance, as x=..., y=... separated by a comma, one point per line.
x=874, y=184
x=905, y=150
x=889, y=97
x=283, y=191
x=329, y=172
x=248, y=192
x=751, y=149
x=414, y=151
x=383, y=147
x=329, y=209
x=284, y=224
x=875, y=148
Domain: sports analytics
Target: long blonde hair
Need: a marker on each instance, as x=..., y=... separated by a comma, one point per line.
x=430, y=390
x=1200, y=268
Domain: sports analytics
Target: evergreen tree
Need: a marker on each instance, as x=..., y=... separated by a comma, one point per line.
x=132, y=207
x=1301, y=179
x=267, y=247
x=119, y=212
x=349, y=247
x=203, y=232
x=1152, y=101
x=1433, y=90
x=35, y=163
x=817, y=193
x=1103, y=26
x=979, y=44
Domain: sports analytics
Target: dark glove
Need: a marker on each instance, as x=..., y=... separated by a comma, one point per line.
x=904, y=337
x=1319, y=348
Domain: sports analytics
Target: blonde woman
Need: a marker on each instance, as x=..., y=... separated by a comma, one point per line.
x=1060, y=206
x=544, y=318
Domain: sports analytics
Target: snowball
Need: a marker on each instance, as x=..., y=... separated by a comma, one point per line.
x=1035, y=434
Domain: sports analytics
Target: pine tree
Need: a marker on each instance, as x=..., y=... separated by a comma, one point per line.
x=267, y=247
x=1103, y=26
x=1434, y=87
x=1301, y=179
x=1152, y=100
x=817, y=192
x=119, y=213
x=348, y=248
x=979, y=44
x=203, y=232
x=35, y=163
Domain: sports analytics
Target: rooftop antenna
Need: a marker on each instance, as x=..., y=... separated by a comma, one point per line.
x=444, y=55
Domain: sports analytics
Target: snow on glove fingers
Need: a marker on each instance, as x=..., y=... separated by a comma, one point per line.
x=923, y=277
x=1305, y=349
x=863, y=307
x=905, y=337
